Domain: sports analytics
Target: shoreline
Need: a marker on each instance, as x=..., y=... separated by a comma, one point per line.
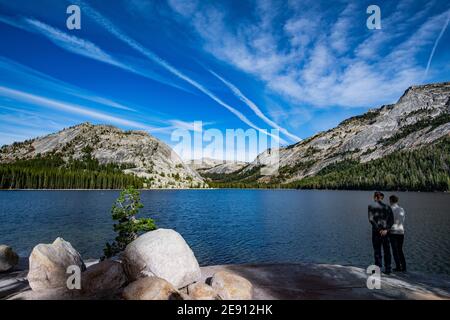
x=277, y=281
x=184, y=189
x=148, y=189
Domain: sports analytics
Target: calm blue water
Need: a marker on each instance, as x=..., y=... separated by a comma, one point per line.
x=236, y=226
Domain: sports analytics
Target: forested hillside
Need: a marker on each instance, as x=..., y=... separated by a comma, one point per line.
x=52, y=172
x=424, y=169
x=400, y=146
x=91, y=156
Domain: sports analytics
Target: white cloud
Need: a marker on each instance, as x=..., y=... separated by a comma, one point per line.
x=69, y=107
x=185, y=8
x=339, y=36
x=72, y=43
x=110, y=27
x=255, y=108
x=190, y=126
x=444, y=27
x=25, y=118
x=40, y=79
x=86, y=48
x=323, y=60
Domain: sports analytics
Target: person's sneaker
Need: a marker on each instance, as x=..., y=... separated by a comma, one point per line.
x=398, y=270
x=387, y=271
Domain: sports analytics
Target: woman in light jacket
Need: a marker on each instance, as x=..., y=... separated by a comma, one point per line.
x=397, y=234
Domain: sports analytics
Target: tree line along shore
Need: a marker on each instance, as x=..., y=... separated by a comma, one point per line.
x=424, y=169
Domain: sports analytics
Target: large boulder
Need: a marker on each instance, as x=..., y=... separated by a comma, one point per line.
x=162, y=253
x=49, y=262
x=8, y=258
x=103, y=279
x=151, y=288
x=202, y=291
x=231, y=286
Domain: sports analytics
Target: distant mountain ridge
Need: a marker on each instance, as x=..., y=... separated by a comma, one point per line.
x=135, y=152
x=405, y=145
x=418, y=119
x=207, y=166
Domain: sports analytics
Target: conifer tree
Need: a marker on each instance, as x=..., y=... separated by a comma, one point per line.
x=128, y=227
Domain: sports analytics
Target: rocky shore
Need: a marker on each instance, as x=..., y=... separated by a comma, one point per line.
x=159, y=265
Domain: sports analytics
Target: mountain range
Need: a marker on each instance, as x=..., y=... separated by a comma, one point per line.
x=399, y=146
x=419, y=119
x=208, y=166
x=106, y=149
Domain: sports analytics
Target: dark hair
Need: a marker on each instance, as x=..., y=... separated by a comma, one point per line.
x=378, y=195
x=393, y=199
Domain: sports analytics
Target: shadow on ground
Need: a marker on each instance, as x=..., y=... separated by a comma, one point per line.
x=321, y=281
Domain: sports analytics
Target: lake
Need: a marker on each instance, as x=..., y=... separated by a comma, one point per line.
x=236, y=226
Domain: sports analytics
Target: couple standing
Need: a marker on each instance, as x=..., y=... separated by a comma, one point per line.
x=387, y=232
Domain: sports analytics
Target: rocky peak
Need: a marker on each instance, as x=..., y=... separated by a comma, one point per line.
x=419, y=117
x=215, y=166
x=143, y=154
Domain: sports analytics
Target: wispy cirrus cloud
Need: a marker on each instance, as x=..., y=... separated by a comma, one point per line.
x=40, y=82
x=85, y=48
x=329, y=60
x=72, y=43
x=20, y=124
x=188, y=125
x=254, y=107
x=444, y=27
x=25, y=118
x=114, y=30
x=38, y=79
x=64, y=106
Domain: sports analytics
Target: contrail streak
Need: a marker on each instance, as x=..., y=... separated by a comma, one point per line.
x=110, y=27
x=68, y=107
x=254, y=107
x=436, y=44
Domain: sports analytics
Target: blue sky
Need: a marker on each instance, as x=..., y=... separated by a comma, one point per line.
x=298, y=66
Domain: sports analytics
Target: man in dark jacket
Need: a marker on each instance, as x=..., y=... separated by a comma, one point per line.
x=381, y=218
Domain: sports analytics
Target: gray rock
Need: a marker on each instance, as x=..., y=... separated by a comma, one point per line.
x=151, y=288
x=49, y=262
x=287, y=281
x=162, y=253
x=308, y=281
x=360, y=138
x=48, y=294
x=8, y=258
x=202, y=291
x=214, y=166
x=230, y=286
x=142, y=154
x=103, y=279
